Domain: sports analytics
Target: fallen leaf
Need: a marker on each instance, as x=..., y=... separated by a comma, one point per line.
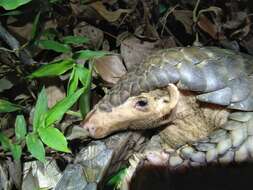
x=5, y=84
x=110, y=68
x=185, y=17
x=55, y=94
x=134, y=50
x=110, y=16
x=95, y=35
x=54, y=89
x=206, y=25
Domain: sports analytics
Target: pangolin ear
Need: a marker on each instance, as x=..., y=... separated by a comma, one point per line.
x=174, y=95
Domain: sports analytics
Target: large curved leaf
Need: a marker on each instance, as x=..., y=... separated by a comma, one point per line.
x=40, y=109
x=59, y=109
x=53, y=138
x=6, y=106
x=35, y=147
x=55, y=46
x=53, y=69
x=20, y=127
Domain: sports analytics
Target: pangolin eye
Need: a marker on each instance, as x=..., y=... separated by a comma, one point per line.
x=141, y=104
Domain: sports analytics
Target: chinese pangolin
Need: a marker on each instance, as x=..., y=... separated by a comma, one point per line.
x=199, y=98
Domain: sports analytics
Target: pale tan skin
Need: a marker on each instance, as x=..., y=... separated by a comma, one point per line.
x=186, y=119
x=192, y=120
x=127, y=116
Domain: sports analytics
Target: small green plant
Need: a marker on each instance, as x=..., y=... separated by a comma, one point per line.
x=79, y=74
x=20, y=132
x=43, y=130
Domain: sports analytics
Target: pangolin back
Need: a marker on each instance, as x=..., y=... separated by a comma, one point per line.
x=220, y=76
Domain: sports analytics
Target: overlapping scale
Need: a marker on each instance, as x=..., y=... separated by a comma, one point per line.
x=220, y=76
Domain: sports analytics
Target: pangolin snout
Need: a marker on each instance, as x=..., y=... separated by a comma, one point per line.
x=95, y=132
x=92, y=125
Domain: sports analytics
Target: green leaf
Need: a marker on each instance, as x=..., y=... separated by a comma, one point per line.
x=75, y=40
x=55, y=1
x=84, y=103
x=73, y=82
x=12, y=13
x=35, y=147
x=55, y=46
x=35, y=26
x=12, y=4
x=58, y=110
x=53, y=138
x=88, y=54
x=5, y=141
x=20, y=127
x=85, y=77
x=162, y=8
x=117, y=178
x=6, y=106
x=40, y=110
x=53, y=69
x=16, y=151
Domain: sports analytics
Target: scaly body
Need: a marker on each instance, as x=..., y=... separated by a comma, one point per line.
x=193, y=91
x=218, y=76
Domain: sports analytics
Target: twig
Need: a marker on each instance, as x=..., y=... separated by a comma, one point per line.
x=195, y=20
x=164, y=18
x=195, y=16
x=162, y=22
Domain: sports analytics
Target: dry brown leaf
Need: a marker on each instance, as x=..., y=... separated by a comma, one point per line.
x=84, y=11
x=95, y=35
x=206, y=25
x=77, y=7
x=54, y=94
x=238, y=18
x=110, y=16
x=110, y=68
x=167, y=42
x=185, y=17
x=134, y=50
x=24, y=32
x=242, y=32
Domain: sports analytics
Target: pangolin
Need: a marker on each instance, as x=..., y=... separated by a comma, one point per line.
x=199, y=98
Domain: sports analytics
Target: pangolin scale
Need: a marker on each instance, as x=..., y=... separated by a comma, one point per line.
x=220, y=76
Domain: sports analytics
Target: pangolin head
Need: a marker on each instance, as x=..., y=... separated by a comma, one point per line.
x=142, y=111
